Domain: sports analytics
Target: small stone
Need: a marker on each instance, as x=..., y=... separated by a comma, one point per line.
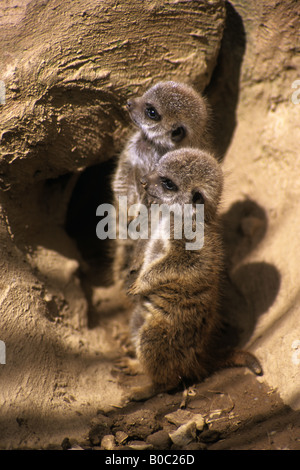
x=179, y=417
x=100, y=427
x=66, y=444
x=222, y=425
x=185, y=434
x=196, y=446
x=108, y=442
x=138, y=424
x=199, y=420
x=139, y=445
x=209, y=436
x=160, y=440
x=121, y=437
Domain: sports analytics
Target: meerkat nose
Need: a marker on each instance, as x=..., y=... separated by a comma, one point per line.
x=143, y=182
x=129, y=104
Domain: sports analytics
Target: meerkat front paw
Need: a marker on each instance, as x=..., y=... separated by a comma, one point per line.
x=130, y=279
x=134, y=289
x=140, y=286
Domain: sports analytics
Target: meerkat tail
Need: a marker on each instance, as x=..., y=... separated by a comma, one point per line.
x=240, y=358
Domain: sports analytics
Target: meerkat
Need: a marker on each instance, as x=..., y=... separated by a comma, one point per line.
x=176, y=321
x=168, y=116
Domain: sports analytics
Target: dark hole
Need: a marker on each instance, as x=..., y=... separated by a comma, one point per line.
x=92, y=189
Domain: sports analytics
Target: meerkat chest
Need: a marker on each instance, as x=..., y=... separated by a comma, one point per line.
x=156, y=248
x=143, y=154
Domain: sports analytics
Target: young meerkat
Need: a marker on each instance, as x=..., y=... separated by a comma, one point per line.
x=168, y=116
x=176, y=322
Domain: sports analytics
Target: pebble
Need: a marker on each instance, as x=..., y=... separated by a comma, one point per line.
x=108, y=442
x=160, y=440
x=121, y=437
x=70, y=444
x=185, y=434
x=181, y=417
x=138, y=424
x=66, y=444
x=139, y=445
x=199, y=420
x=100, y=427
x=210, y=436
x=196, y=446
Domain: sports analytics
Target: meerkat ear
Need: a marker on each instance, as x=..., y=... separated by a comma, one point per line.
x=197, y=197
x=178, y=134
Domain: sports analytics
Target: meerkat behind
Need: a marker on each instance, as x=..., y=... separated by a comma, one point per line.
x=168, y=116
x=176, y=321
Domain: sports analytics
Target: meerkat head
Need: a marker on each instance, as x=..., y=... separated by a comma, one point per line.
x=186, y=176
x=171, y=115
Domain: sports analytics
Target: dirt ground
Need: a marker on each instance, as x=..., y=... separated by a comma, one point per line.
x=239, y=412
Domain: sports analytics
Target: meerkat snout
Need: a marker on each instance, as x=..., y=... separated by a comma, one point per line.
x=144, y=181
x=150, y=178
x=129, y=104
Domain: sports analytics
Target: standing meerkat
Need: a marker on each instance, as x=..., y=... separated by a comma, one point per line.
x=168, y=116
x=176, y=321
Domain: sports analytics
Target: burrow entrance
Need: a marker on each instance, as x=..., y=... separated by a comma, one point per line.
x=92, y=188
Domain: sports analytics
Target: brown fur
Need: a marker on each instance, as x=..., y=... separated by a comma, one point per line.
x=178, y=106
x=176, y=321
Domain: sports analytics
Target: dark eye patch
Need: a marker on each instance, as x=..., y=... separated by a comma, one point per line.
x=168, y=184
x=178, y=134
x=152, y=113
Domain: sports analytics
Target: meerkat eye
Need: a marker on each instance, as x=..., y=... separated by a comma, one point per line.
x=198, y=198
x=151, y=113
x=178, y=134
x=168, y=184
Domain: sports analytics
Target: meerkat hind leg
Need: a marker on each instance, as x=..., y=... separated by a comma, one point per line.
x=149, y=389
